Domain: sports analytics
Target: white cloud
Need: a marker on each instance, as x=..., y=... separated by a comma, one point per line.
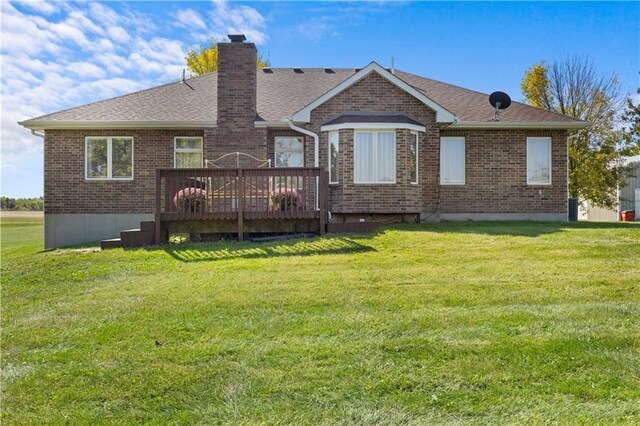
x=230, y=19
x=57, y=55
x=189, y=18
x=318, y=28
x=119, y=34
x=44, y=7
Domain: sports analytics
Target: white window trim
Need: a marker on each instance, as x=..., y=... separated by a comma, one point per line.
x=275, y=150
x=338, y=149
x=375, y=155
x=417, y=142
x=464, y=161
x=109, y=159
x=548, y=139
x=187, y=150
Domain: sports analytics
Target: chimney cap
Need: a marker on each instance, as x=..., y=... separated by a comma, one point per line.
x=236, y=38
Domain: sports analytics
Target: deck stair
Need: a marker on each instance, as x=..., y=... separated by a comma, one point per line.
x=139, y=237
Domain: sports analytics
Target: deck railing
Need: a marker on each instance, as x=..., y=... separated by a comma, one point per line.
x=239, y=194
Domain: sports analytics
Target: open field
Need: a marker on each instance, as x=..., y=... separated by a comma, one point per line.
x=448, y=323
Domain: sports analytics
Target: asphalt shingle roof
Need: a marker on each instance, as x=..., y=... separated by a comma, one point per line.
x=281, y=93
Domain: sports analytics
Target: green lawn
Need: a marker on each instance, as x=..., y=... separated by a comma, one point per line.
x=449, y=323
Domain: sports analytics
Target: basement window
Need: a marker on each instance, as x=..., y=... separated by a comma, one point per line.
x=109, y=158
x=187, y=153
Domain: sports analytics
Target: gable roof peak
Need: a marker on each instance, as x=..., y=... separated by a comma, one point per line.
x=442, y=114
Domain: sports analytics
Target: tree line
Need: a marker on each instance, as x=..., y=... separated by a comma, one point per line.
x=22, y=204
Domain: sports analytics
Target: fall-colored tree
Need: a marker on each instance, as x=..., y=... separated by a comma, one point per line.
x=573, y=87
x=631, y=129
x=205, y=60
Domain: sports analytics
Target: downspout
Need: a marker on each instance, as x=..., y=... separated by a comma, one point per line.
x=316, y=152
x=35, y=133
x=316, y=141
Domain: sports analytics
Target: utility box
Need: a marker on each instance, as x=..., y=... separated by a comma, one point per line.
x=628, y=216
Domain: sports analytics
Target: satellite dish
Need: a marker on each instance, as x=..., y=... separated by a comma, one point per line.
x=499, y=100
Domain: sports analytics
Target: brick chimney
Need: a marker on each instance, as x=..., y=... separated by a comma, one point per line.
x=237, y=83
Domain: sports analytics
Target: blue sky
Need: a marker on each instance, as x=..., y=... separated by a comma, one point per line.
x=60, y=54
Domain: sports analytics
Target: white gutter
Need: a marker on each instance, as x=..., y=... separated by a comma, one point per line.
x=36, y=133
x=568, y=125
x=46, y=125
x=316, y=141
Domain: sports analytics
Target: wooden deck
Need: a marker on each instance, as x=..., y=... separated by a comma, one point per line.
x=240, y=195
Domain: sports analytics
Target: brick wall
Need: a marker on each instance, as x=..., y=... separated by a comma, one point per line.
x=496, y=175
x=373, y=93
x=495, y=162
x=67, y=191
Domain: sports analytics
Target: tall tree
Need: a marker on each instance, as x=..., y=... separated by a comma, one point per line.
x=205, y=60
x=573, y=87
x=631, y=129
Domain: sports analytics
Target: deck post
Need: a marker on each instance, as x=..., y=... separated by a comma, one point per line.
x=323, y=196
x=240, y=196
x=156, y=235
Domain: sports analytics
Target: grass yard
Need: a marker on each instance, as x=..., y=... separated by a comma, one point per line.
x=449, y=323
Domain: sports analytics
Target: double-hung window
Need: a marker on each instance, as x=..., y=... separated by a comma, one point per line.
x=452, y=160
x=289, y=152
x=109, y=158
x=374, y=157
x=187, y=152
x=334, y=157
x=413, y=157
x=538, y=161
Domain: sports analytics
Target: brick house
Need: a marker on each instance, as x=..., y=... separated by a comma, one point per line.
x=392, y=146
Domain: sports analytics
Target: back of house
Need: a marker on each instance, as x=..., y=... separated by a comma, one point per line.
x=393, y=146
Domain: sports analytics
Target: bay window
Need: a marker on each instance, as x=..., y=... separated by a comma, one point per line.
x=374, y=157
x=413, y=158
x=334, y=157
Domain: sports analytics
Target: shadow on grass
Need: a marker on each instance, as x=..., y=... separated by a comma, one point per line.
x=200, y=252
x=517, y=229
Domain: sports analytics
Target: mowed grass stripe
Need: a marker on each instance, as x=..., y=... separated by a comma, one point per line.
x=469, y=323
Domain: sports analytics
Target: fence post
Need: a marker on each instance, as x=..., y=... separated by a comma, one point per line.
x=240, y=206
x=158, y=226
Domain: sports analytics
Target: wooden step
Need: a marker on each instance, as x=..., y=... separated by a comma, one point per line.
x=111, y=243
x=148, y=226
x=136, y=238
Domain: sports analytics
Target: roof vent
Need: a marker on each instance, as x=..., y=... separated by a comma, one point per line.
x=267, y=70
x=357, y=69
x=329, y=71
x=236, y=38
x=298, y=70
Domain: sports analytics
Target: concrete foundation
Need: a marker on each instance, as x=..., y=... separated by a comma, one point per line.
x=62, y=229
x=456, y=217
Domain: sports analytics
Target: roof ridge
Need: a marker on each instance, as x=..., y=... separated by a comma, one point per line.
x=120, y=96
x=484, y=94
